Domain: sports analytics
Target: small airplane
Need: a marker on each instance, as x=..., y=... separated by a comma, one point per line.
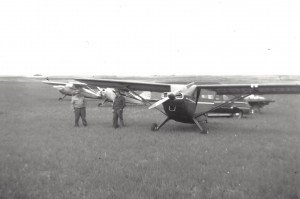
x=69, y=88
x=190, y=103
x=108, y=94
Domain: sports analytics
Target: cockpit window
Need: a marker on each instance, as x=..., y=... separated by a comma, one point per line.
x=207, y=96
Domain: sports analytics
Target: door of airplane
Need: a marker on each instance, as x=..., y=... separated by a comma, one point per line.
x=206, y=100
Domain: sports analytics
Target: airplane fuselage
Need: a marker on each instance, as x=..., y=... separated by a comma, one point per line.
x=185, y=106
x=69, y=91
x=180, y=110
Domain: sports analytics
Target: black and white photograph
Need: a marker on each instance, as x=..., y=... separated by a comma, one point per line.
x=135, y=99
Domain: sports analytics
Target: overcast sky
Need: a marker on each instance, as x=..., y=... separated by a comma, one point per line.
x=153, y=37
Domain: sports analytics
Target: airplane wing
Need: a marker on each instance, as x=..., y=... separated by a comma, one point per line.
x=75, y=84
x=240, y=89
x=54, y=83
x=127, y=85
x=221, y=89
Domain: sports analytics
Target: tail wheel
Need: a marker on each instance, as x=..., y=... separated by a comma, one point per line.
x=154, y=127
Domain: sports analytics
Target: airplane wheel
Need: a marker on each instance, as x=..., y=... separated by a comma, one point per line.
x=100, y=104
x=154, y=127
x=60, y=99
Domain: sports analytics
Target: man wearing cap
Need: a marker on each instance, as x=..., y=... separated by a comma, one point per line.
x=118, y=106
x=78, y=105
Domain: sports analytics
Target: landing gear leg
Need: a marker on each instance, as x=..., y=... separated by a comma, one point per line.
x=202, y=125
x=61, y=98
x=154, y=126
x=102, y=103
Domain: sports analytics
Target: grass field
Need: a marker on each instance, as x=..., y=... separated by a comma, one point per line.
x=43, y=156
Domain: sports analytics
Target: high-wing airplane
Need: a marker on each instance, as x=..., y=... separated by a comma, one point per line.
x=107, y=94
x=190, y=103
x=68, y=89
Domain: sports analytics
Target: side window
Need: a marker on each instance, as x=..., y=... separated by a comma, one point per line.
x=207, y=95
x=211, y=97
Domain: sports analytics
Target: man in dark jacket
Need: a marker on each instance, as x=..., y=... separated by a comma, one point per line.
x=118, y=106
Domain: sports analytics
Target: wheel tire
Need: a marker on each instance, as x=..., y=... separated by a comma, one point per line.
x=154, y=127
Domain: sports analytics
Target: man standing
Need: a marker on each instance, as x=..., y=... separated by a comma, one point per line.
x=118, y=106
x=78, y=104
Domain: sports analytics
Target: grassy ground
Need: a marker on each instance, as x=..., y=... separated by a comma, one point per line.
x=43, y=156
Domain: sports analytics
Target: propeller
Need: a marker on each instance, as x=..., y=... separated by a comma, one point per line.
x=171, y=95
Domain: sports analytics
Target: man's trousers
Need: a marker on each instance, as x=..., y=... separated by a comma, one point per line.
x=118, y=114
x=80, y=112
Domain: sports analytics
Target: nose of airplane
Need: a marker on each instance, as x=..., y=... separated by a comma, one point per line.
x=171, y=96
